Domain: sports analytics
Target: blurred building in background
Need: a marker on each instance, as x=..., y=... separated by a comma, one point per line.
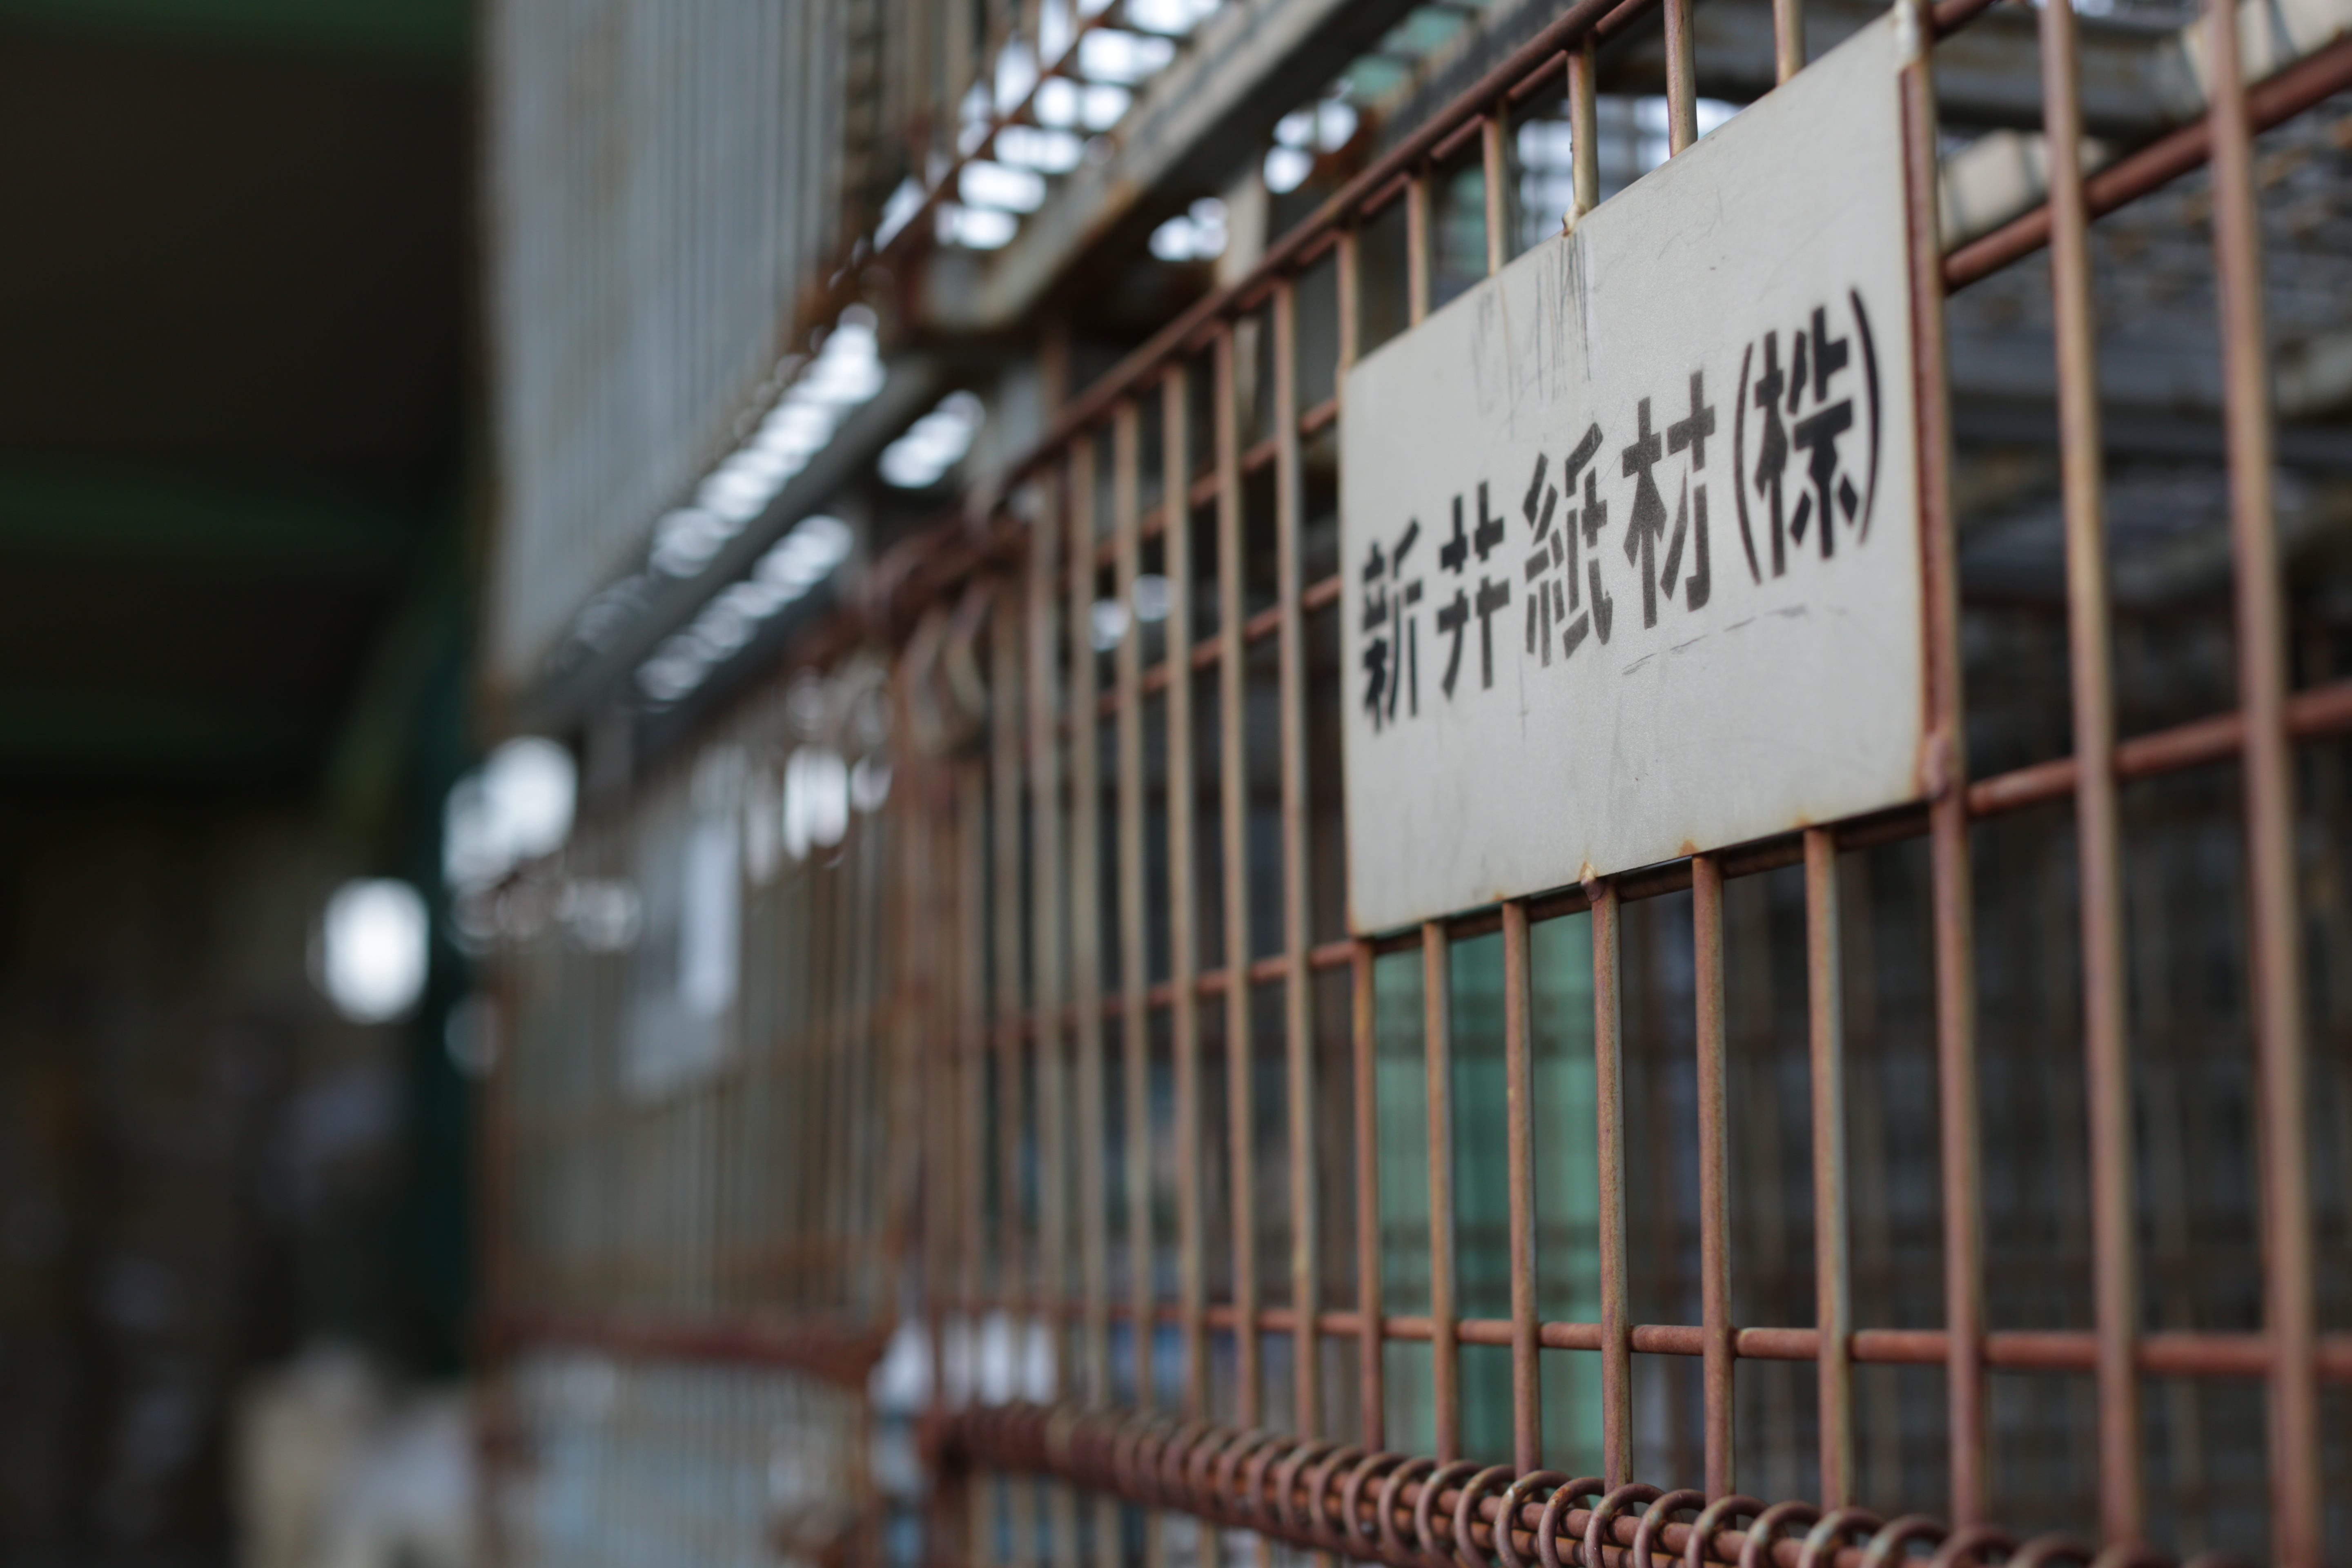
x=235, y=526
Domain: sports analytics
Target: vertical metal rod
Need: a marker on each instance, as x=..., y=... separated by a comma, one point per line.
x=1682, y=91
x=1833, y=1265
x=1184, y=916
x=1609, y=1152
x=1417, y=242
x=1518, y=1088
x=1298, y=911
x=2097, y=820
x=1437, y=1057
x=1004, y=706
x=1135, y=1021
x=1086, y=928
x=1714, y=1206
x=1047, y=999
x=1583, y=130
x=980, y=1490
x=1364, y=1041
x=1944, y=772
x=1788, y=38
x=1233, y=779
x=972, y=809
x=1494, y=148
x=2274, y=934
x=1092, y=1092
x=1372, y=1343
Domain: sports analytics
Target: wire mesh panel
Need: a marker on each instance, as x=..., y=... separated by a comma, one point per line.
x=1967, y=1160
x=1962, y=1175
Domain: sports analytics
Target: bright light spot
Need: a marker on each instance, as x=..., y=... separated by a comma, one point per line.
x=1546, y=144
x=977, y=114
x=974, y=228
x=532, y=786
x=806, y=555
x=1110, y=624
x=1169, y=16
x=733, y=496
x=1029, y=147
x=1016, y=72
x=711, y=918
x=793, y=427
x=763, y=824
x=1713, y=111
x=1323, y=126
x=790, y=566
x=869, y=783
x=1335, y=124
x=899, y=211
x=371, y=949
x=1104, y=104
x=685, y=540
x=1287, y=168
x=844, y=374
x=934, y=444
x=816, y=800
x=1055, y=26
x=1109, y=54
x=1151, y=597
x=986, y=185
x=516, y=807
x=1057, y=101
x=1194, y=236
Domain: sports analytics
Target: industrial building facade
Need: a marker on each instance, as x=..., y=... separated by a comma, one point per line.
x=948, y=1102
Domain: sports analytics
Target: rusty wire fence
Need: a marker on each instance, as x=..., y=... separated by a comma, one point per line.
x=1983, y=1167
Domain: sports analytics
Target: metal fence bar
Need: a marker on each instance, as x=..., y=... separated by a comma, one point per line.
x=1437, y=1057
x=2097, y=809
x=1494, y=156
x=1085, y=929
x=1959, y=1139
x=1183, y=915
x=1616, y=1341
x=1518, y=1090
x=1299, y=981
x=1833, y=1265
x=1134, y=980
x=1584, y=127
x=1788, y=38
x=1372, y=1371
x=1049, y=969
x=2274, y=940
x=1417, y=242
x=1233, y=763
x=1682, y=91
x=1713, y=1217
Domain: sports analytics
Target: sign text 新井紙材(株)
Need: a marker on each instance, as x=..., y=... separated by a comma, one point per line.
x=1630, y=531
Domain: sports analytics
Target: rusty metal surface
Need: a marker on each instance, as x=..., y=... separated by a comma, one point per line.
x=1225, y=1217
x=1425, y=1514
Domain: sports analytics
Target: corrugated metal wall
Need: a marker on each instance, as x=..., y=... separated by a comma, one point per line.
x=662, y=181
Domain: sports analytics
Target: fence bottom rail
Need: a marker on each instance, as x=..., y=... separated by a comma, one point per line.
x=1417, y=1513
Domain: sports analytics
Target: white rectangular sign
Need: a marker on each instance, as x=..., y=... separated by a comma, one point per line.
x=1630, y=532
